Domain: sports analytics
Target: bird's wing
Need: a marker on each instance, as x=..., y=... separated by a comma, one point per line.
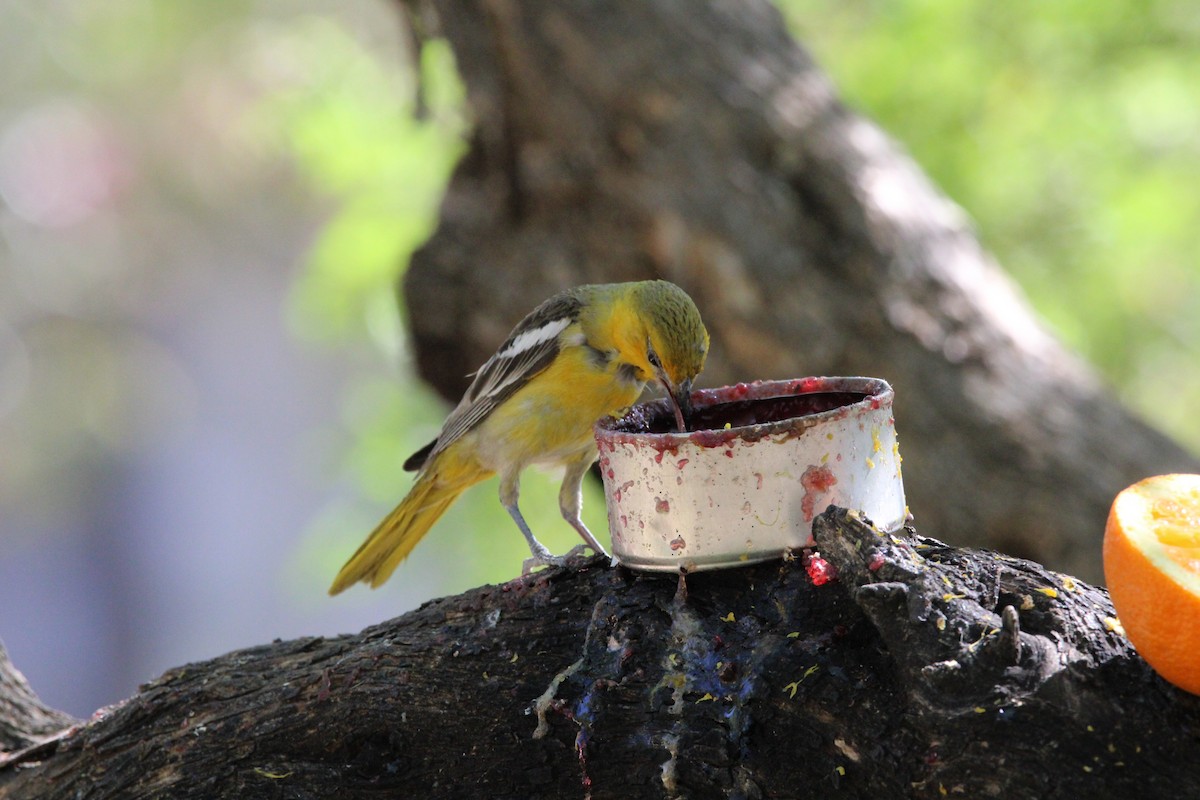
x=529, y=349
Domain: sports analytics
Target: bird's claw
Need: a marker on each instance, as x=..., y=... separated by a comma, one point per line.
x=547, y=559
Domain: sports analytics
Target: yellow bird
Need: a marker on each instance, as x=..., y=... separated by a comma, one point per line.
x=583, y=354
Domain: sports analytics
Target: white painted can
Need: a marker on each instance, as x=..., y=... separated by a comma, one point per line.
x=726, y=496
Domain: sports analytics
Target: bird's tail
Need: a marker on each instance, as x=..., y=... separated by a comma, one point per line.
x=395, y=537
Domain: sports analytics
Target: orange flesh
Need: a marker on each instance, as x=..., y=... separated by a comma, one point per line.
x=1152, y=566
x=1176, y=522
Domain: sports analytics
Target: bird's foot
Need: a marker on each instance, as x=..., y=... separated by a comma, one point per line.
x=545, y=558
x=537, y=562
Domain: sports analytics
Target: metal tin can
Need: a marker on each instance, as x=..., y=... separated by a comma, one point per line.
x=744, y=486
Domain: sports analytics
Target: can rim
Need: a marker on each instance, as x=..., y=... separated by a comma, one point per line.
x=877, y=392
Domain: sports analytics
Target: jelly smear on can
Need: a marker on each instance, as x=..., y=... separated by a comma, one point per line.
x=817, y=481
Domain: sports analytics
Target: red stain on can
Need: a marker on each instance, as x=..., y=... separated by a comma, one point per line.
x=678, y=544
x=662, y=506
x=729, y=454
x=816, y=482
x=758, y=477
x=682, y=463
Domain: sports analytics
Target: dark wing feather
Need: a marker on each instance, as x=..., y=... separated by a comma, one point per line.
x=418, y=459
x=528, y=350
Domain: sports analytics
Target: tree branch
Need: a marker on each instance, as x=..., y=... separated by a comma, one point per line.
x=24, y=719
x=905, y=677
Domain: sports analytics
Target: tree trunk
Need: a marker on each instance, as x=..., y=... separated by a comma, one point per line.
x=698, y=142
x=920, y=671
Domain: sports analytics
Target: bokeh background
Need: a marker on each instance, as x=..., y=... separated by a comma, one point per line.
x=205, y=388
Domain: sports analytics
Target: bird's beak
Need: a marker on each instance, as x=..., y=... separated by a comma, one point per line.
x=681, y=401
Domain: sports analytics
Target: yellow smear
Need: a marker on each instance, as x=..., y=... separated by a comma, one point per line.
x=1049, y=591
x=794, y=685
x=275, y=776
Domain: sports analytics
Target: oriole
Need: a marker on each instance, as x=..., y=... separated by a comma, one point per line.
x=583, y=354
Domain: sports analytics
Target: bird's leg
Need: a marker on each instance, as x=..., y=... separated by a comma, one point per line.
x=570, y=501
x=509, y=492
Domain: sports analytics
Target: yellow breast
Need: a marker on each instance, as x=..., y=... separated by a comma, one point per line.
x=550, y=419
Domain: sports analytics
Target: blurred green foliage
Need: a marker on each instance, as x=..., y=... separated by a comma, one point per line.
x=381, y=142
x=1070, y=132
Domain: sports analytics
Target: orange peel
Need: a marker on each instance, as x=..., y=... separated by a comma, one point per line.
x=1152, y=567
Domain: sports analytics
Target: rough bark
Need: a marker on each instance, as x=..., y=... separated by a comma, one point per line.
x=697, y=141
x=921, y=671
x=24, y=719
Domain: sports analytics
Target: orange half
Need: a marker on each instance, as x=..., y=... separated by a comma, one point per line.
x=1152, y=567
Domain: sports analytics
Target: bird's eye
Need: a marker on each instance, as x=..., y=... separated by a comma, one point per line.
x=653, y=359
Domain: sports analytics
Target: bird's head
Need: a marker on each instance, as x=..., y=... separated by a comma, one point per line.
x=675, y=342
